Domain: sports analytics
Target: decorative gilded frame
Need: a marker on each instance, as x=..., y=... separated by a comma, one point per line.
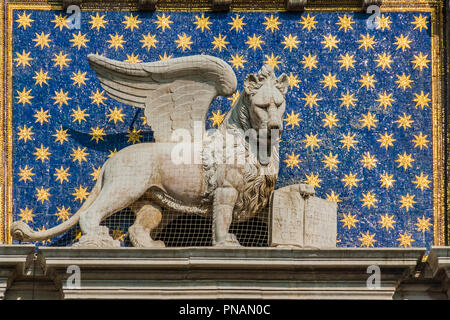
x=440, y=138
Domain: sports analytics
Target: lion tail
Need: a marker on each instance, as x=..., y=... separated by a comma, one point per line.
x=22, y=232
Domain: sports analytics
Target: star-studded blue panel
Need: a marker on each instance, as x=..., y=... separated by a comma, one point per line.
x=358, y=125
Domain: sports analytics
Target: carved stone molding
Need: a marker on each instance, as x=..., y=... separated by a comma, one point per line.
x=296, y=5
x=221, y=5
x=439, y=262
x=368, y=3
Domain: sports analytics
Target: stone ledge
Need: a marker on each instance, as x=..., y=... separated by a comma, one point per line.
x=439, y=262
x=193, y=273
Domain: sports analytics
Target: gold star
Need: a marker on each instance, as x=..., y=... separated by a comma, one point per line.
x=367, y=42
x=348, y=141
x=292, y=119
x=369, y=161
x=25, y=174
x=292, y=160
x=367, y=240
x=254, y=42
x=404, y=81
x=98, y=22
x=220, y=43
x=61, y=135
x=313, y=180
x=41, y=153
x=79, y=78
x=385, y=100
x=26, y=215
x=41, y=77
x=62, y=174
x=165, y=57
x=131, y=58
x=310, y=62
x=80, y=193
x=384, y=61
x=311, y=141
x=23, y=59
x=116, y=41
x=131, y=22
x=420, y=22
x=387, y=180
x=234, y=97
x=422, y=100
x=272, y=61
x=112, y=153
x=134, y=136
x=61, y=60
x=24, y=20
x=369, y=120
x=24, y=96
x=404, y=160
x=347, y=61
x=308, y=22
x=345, y=23
x=420, y=61
x=405, y=239
x=349, y=221
x=330, y=81
x=331, y=161
x=333, y=197
x=350, y=180
x=402, y=42
x=330, y=42
x=368, y=81
x=79, y=115
x=60, y=22
x=272, y=23
x=63, y=213
x=42, y=194
x=420, y=141
x=404, y=121
x=217, y=118
x=115, y=115
x=118, y=234
x=330, y=120
x=163, y=22
x=290, y=42
x=237, y=23
x=25, y=133
x=348, y=99
x=184, y=42
x=97, y=134
x=202, y=22
x=422, y=182
x=311, y=99
x=79, y=40
x=293, y=81
x=148, y=41
x=95, y=173
x=387, y=222
x=386, y=140
x=79, y=154
x=407, y=202
x=97, y=97
x=42, y=40
x=41, y=116
x=368, y=200
x=383, y=22
x=61, y=97
x=423, y=224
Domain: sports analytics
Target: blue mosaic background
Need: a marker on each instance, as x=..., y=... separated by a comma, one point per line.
x=360, y=223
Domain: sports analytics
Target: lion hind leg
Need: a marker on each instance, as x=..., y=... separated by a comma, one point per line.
x=148, y=217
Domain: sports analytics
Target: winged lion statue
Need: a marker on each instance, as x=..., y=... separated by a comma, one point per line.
x=175, y=94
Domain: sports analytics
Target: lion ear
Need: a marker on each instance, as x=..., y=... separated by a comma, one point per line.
x=250, y=83
x=283, y=83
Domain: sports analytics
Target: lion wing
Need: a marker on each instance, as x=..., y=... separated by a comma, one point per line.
x=174, y=93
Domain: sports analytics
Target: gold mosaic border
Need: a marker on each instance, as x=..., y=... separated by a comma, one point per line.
x=435, y=7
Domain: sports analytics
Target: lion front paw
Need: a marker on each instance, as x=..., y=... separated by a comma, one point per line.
x=229, y=241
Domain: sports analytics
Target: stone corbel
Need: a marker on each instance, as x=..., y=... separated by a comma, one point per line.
x=147, y=5
x=221, y=5
x=368, y=3
x=296, y=5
